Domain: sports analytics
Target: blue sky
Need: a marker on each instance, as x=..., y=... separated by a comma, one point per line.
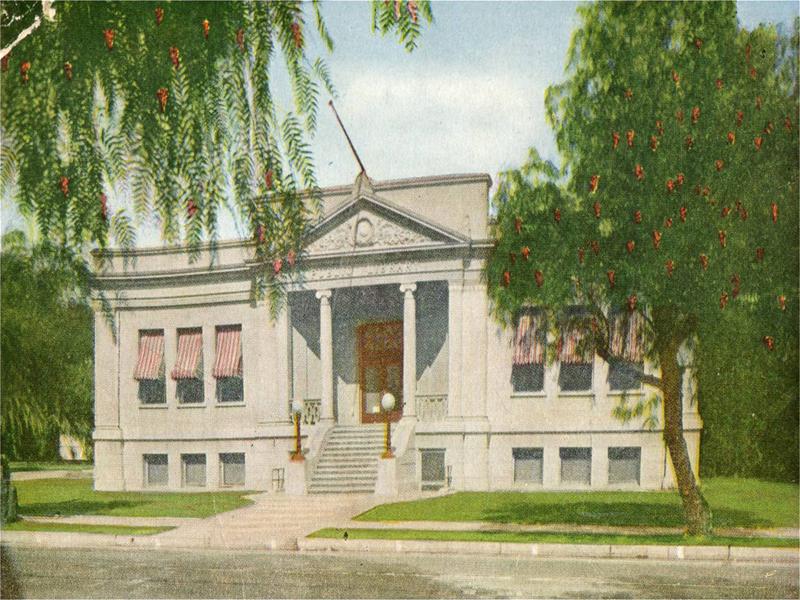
x=469, y=99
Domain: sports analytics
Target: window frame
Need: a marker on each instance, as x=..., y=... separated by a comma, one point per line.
x=161, y=382
x=146, y=458
x=221, y=382
x=638, y=452
x=577, y=450
x=433, y=484
x=185, y=463
x=198, y=381
x=519, y=372
x=536, y=453
x=574, y=312
x=222, y=468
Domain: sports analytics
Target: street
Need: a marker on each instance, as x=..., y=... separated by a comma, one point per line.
x=115, y=573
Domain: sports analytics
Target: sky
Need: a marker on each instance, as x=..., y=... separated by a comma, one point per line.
x=469, y=99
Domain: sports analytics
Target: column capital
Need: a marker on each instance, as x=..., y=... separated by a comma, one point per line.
x=324, y=294
x=407, y=288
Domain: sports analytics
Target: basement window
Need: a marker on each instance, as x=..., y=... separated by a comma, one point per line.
x=194, y=469
x=156, y=469
x=527, y=465
x=576, y=465
x=232, y=468
x=624, y=465
x=433, y=469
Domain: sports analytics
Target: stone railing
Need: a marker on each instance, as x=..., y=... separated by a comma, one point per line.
x=311, y=411
x=432, y=407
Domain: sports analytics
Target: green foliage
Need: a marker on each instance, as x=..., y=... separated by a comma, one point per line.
x=554, y=537
x=748, y=399
x=736, y=503
x=118, y=113
x=47, y=344
x=622, y=71
x=48, y=497
x=86, y=528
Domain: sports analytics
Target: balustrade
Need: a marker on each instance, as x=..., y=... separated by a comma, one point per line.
x=431, y=407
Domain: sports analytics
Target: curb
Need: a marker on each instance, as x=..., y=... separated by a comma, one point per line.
x=608, y=551
x=63, y=539
x=653, y=552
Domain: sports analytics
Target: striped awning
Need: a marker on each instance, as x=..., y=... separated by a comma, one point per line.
x=626, y=336
x=229, y=352
x=190, y=354
x=573, y=347
x=530, y=339
x=151, y=355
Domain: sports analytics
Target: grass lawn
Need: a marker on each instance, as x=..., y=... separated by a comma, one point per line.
x=734, y=503
x=81, y=528
x=26, y=465
x=553, y=538
x=45, y=497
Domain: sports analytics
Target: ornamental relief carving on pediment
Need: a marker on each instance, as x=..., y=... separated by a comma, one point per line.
x=367, y=230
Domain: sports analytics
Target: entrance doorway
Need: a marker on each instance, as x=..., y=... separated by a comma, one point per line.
x=380, y=366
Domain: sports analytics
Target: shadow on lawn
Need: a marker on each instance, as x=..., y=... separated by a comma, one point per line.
x=76, y=507
x=616, y=513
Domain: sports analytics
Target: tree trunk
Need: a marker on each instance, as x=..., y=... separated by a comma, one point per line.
x=697, y=513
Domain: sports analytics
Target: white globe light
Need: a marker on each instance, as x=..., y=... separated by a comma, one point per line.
x=387, y=402
x=297, y=407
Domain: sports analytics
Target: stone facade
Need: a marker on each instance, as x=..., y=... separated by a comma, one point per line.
x=410, y=252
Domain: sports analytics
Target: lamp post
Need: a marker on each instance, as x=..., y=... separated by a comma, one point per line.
x=297, y=410
x=387, y=402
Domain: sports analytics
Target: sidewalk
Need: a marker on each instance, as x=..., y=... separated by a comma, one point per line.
x=277, y=522
x=63, y=474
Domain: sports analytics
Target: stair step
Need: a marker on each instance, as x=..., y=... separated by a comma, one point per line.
x=372, y=468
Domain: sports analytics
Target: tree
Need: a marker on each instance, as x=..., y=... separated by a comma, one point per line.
x=47, y=344
x=116, y=113
x=677, y=200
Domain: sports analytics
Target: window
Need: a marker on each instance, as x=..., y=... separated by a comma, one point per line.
x=527, y=465
x=156, y=469
x=576, y=465
x=530, y=340
x=149, y=371
x=575, y=355
x=228, y=364
x=232, y=468
x=624, y=465
x=433, y=469
x=626, y=343
x=188, y=369
x=623, y=376
x=194, y=469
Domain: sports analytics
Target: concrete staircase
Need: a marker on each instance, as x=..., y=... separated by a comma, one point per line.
x=348, y=461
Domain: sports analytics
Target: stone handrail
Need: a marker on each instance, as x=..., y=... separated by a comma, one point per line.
x=431, y=407
x=312, y=408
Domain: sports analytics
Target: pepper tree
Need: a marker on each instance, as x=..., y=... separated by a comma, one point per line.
x=677, y=198
x=118, y=113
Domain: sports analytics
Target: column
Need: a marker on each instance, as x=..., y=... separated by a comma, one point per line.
x=326, y=353
x=409, y=350
x=454, y=348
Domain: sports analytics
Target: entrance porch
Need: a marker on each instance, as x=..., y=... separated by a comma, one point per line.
x=350, y=345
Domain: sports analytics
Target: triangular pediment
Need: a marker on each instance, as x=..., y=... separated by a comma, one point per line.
x=372, y=224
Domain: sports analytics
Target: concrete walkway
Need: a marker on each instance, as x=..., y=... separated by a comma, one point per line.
x=62, y=474
x=272, y=522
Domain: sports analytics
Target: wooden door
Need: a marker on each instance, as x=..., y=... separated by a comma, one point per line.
x=380, y=366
